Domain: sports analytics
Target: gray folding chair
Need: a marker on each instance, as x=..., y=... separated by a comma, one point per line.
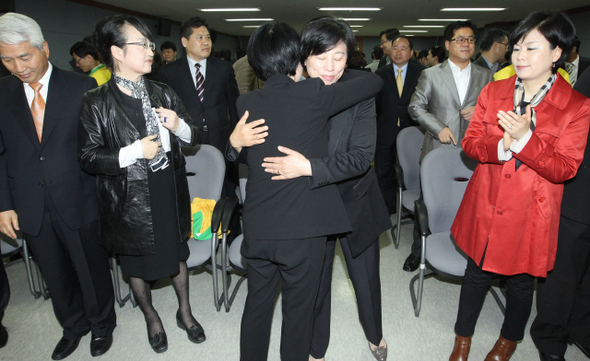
x=445, y=174
x=11, y=247
x=407, y=172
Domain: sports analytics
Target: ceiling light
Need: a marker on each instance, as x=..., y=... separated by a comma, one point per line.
x=230, y=9
x=356, y=19
x=473, y=9
x=443, y=20
x=413, y=31
x=259, y=19
x=251, y=26
x=424, y=26
x=357, y=26
x=350, y=9
x=355, y=31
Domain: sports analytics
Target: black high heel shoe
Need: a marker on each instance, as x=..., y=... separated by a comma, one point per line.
x=159, y=342
x=195, y=334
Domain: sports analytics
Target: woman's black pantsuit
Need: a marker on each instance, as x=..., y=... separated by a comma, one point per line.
x=286, y=222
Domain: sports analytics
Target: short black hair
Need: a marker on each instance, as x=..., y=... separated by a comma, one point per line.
x=168, y=45
x=452, y=27
x=377, y=52
x=109, y=32
x=407, y=38
x=390, y=34
x=439, y=52
x=576, y=43
x=492, y=36
x=323, y=34
x=422, y=54
x=556, y=27
x=274, y=49
x=187, y=26
x=83, y=48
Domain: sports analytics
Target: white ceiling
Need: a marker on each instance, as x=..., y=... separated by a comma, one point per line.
x=395, y=13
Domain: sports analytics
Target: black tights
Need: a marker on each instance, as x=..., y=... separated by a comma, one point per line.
x=143, y=296
x=519, y=300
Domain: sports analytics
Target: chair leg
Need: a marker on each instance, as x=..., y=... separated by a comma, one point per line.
x=116, y=283
x=217, y=300
x=399, y=217
x=29, y=270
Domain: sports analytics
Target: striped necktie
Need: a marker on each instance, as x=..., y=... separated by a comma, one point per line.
x=200, y=82
x=38, y=108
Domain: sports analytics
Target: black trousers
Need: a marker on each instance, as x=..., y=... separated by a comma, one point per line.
x=519, y=300
x=4, y=290
x=563, y=298
x=363, y=271
x=385, y=158
x=75, y=267
x=298, y=265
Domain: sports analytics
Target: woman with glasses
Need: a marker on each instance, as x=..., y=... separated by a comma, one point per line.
x=130, y=136
x=528, y=133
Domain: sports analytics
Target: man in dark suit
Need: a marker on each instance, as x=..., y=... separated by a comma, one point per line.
x=214, y=110
x=493, y=49
x=563, y=298
x=392, y=112
x=43, y=191
x=575, y=65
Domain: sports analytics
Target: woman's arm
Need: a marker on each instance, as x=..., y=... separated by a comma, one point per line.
x=359, y=86
x=355, y=161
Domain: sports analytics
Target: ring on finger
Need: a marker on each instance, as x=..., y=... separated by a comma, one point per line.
x=510, y=127
x=278, y=171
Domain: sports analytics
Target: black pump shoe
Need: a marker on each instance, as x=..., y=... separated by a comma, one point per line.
x=195, y=334
x=159, y=342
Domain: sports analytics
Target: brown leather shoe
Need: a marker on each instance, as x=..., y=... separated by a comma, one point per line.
x=461, y=348
x=502, y=351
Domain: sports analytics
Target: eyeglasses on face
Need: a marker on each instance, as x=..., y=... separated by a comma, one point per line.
x=146, y=45
x=461, y=40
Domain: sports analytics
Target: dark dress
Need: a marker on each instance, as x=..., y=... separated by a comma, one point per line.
x=170, y=250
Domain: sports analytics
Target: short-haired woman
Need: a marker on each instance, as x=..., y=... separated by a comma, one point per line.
x=528, y=133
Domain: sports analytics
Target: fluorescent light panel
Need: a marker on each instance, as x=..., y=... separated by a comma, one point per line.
x=350, y=9
x=357, y=26
x=413, y=31
x=424, y=26
x=473, y=9
x=251, y=26
x=356, y=19
x=230, y=9
x=443, y=20
x=252, y=19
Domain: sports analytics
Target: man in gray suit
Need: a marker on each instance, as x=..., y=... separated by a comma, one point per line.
x=445, y=98
x=446, y=94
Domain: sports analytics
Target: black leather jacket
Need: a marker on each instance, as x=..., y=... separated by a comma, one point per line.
x=123, y=193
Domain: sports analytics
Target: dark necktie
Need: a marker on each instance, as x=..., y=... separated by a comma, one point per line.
x=523, y=111
x=200, y=82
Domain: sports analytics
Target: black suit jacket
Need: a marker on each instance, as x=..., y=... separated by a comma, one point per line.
x=30, y=170
x=390, y=106
x=576, y=193
x=297, y=115
x=351, y=147
x=219, y=97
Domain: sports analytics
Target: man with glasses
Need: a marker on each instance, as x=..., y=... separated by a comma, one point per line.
x=86, y=58
x=445, y=98
x=387, y=37
x=493, y=49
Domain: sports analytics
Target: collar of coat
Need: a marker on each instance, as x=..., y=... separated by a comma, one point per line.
x=558, y=96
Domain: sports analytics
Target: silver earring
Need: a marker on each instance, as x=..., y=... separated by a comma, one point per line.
x=553, y=65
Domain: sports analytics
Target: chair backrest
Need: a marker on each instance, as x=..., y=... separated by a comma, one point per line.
x=444, y=174
x=243, y=179
x=9, y=246
x=205, y=172
x=409, y=147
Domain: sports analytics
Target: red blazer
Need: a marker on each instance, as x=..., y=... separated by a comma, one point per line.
x=515, y=214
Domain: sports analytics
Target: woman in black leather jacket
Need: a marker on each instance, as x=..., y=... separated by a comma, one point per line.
x=129, y=137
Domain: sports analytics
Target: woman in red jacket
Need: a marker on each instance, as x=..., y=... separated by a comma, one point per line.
x=528, y=133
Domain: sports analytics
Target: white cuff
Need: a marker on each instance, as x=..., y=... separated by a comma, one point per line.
x=130, y=154
x=503, y=156
x=518, y=145
x=184, y=132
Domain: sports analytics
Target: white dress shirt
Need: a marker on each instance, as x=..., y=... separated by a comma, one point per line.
x=30, y=92
x=193, y=68
x=462, y=78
